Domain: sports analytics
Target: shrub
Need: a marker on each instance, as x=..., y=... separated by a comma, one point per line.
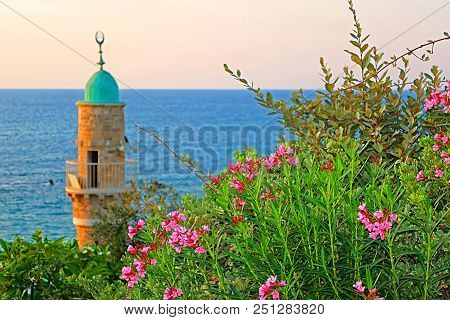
x=52, y=269
x=294, y=226
x=380, y=109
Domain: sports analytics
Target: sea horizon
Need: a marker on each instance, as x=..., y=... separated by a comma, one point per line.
x=35, y=145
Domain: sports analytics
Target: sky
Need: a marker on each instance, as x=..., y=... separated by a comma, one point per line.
x=183, y=44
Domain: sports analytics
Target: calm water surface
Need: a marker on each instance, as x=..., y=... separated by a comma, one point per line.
x=38, y=130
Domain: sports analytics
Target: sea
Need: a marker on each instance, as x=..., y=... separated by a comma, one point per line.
x=38, y=131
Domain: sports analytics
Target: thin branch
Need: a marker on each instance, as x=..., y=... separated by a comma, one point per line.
x=393, y=62
x=188, y=165
x=260, y=95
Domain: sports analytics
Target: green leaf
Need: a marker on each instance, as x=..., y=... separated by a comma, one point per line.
x=356, y=60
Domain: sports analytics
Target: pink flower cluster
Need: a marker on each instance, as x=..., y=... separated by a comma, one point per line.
x=173, y=222
x=240, y=175
x=276, y=159
x=215, y=180
x=237, y=184
x=359, y=288
x=268, y=195
x=182, y=237
x=269, y=288
x=420, y=176
x=441, y=141
x=239, y=203
x=249, y=169
x=172, y=293
x=132, y=230
x=138, y=268
x=327, y=167
x=378, y=224
x=237, y=219
x=172, y=232
x=439, y=98
x=132, y=274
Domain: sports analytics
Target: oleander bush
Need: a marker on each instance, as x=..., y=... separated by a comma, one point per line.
x=296, y=226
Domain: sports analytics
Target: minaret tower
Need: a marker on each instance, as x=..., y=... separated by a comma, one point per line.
x=97, y=177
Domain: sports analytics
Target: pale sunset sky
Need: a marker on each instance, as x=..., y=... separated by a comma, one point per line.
x=184, y=43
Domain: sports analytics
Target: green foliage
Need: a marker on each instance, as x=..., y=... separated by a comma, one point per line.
x=52, y=269
x=308, y=235
x=381, y=109
x=112, y=223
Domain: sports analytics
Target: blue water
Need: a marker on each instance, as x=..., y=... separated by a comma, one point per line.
x=38, y=130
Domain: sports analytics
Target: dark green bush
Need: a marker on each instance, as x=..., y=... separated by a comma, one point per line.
x=52, y=269
x=380, y=108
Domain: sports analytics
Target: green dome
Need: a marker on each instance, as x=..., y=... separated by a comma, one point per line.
x=101, y=88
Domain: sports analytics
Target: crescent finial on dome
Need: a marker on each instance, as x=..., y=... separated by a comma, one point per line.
x=100, y=38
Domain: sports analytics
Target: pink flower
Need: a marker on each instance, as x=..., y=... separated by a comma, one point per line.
x=445, y=139
x=445, y=156
x=428, y=105
x=378, y=224
x=378, y=214
x=215, y=180
x=272, y=161
x=132, y=231
x=327, y=167
x=438, y=173
x=140, y=224
x=239, y=203
x=172, y=293
x=372, y=291
x=129, y=276
x=205, y=228
x=132, y=250
x=153, y=261
x=237, y=220
x=140, y=267
x=420, y=176
x=269, y=288
x=436, y=147
x=358, y=286
x=177, y=217
x=292, y=160
x=438, y=136
x=173, y=223
x=237, y=184
x=200, y=250
x=283, y=150
x=268, y=195
x=275, y=295
x=235, y=168
x=362, y=207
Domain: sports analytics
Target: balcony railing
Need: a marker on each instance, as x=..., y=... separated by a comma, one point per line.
x=99, y=177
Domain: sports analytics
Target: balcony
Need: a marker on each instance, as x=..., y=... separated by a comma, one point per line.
x=99, y=178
